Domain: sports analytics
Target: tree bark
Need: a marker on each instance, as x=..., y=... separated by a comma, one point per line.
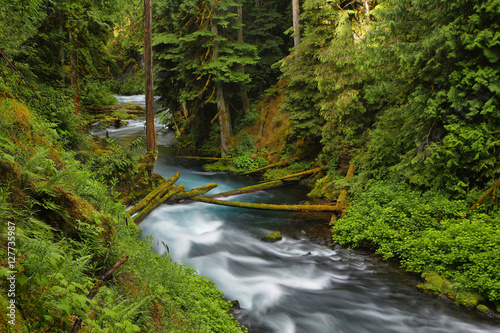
x=224, y=115
x=296, y=27
x=148, y=68
x=295, y=208
x=367, y=21
x=243, y=87
x=75, y=77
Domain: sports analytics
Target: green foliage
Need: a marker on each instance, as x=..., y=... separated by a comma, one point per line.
x=264, y=27
x=435, y=80
x=428, y=232
x=179, y=286
x=187, y=71
x=45, y=192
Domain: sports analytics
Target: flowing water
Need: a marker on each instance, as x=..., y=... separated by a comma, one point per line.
x=296, y=284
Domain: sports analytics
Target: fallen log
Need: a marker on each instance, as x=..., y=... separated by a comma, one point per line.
x=194, y=192
x=294, y=208
x=158, y=192
x=271, y=166
x=301, y=174
x=95, y=289
x=342, y=199
x=253, y=188
x=156, y=202
x=207, y=158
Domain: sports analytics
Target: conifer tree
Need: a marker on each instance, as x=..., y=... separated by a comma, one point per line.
x=437, y=80
x=199, y=58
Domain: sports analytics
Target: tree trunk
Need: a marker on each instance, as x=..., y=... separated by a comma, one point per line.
x=224, y=115
x=75, y=78
x=296, y=27
x=148, y=68
x=243, y=87
x=367, y=21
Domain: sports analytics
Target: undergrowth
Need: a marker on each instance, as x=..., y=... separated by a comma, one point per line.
x=69, y=230
x=431, y=234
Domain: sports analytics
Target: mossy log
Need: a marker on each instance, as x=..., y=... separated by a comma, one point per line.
x=294, y=208
x=342, y=199
x=301, y=174
x=207, y=158
x=158, y=192
x=156, y=202
x=271, y=166
x=95, y=289
x=194, y=192
x=103, y=109
x=253, y=188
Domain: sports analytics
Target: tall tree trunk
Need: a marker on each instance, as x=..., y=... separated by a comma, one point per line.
x=223, y=111
x=148, y=68
x=296, y=27
x=243, y=87
x=367, y=14
x=75, y=78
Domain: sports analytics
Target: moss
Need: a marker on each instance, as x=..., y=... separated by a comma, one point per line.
x=482, y=308
x=438, y=285
x=272, y=237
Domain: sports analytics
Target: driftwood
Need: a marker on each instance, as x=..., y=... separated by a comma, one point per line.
x=253, y=188
x=493, y=189
x=295, y=208
x=156, y=202
x=207, y=158
x=194, y=192
x=271, y=166
x=158, y=192
x=95, y=289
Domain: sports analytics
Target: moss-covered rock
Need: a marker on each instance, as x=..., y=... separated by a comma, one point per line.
x=272, y=237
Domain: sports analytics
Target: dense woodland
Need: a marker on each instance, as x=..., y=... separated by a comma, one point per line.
x=405, y=93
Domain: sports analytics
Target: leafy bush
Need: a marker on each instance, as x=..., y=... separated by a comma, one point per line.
x=428, y=232
x=247, y=162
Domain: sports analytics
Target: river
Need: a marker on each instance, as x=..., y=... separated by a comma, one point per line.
x=297, y=284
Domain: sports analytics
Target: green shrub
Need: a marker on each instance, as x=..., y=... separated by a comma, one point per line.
x=428, y=232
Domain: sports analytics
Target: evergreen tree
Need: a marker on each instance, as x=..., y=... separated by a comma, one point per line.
x=199, y=58
x=265, y=24
x=439, y=88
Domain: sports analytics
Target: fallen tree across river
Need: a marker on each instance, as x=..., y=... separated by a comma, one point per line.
x=294, y=208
